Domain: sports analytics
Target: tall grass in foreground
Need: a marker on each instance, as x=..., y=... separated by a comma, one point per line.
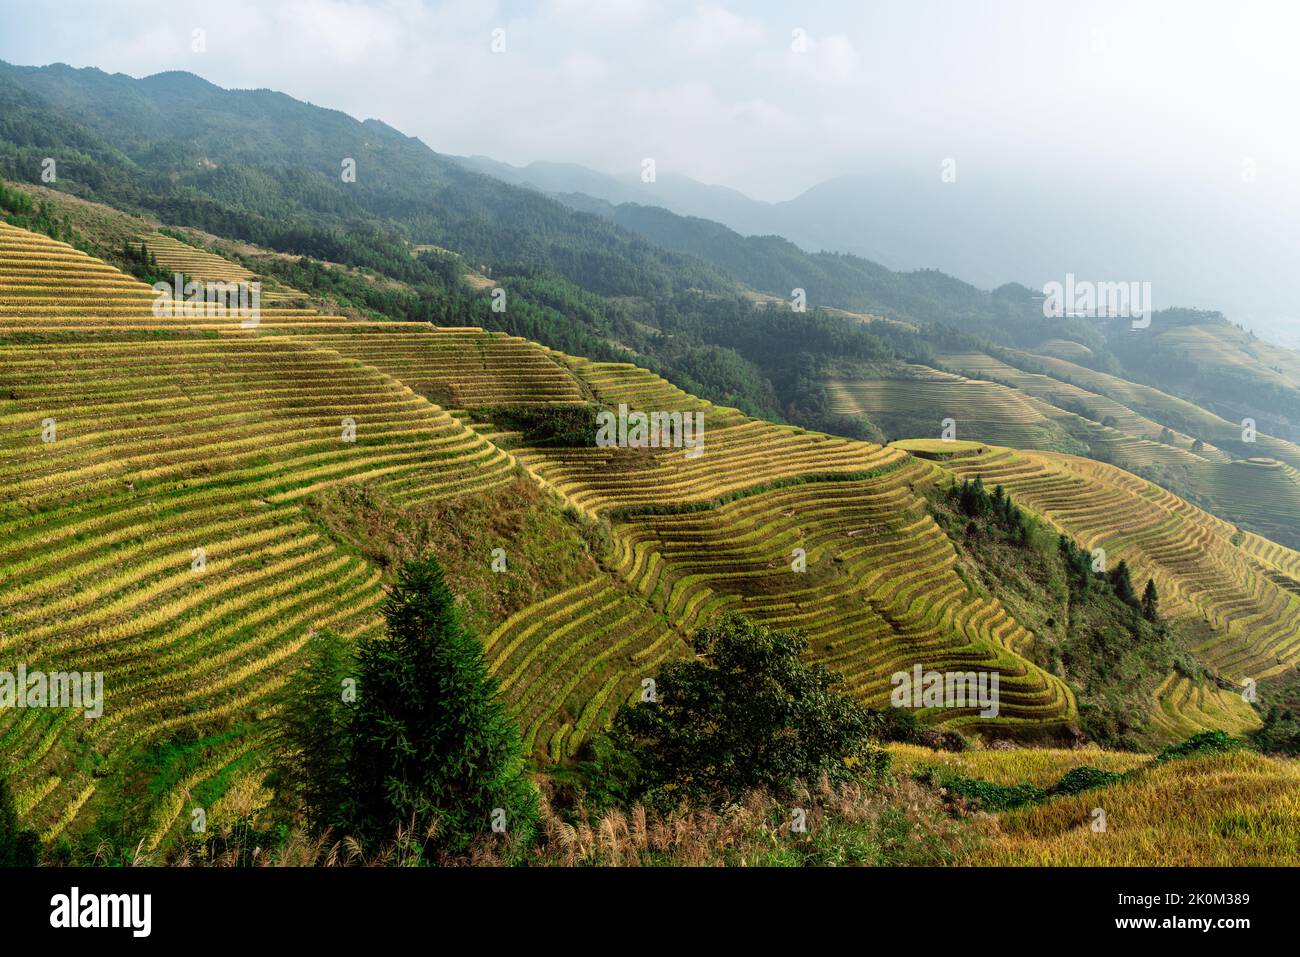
x=850, y=825
x=1233, y=809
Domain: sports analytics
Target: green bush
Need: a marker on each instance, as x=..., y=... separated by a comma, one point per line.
x=570, y=426
x=1202, y=745
x=1083, y=778
x=745, y=713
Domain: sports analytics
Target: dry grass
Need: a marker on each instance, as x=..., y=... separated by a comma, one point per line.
x=1038, y=766
x=1236, y=809
x=854, y=825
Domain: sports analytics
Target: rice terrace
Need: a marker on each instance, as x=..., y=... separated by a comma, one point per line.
x=366, y=504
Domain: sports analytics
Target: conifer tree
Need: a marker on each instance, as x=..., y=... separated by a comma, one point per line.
x=1150, y=602
x=431, y=741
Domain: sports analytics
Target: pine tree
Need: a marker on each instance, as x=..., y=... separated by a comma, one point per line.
x=431, y=741
x=315, y=727
x=1121, y=581
x=1150, y=602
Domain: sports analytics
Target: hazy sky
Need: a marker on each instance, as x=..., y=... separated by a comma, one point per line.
x=1126, y=91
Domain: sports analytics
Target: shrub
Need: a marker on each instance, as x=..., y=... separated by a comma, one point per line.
x=1202, y=745
x=1082, y=779
x=745, y=713
x=572, y=426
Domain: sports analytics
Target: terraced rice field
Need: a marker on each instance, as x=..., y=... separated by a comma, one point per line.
x=152, y=527
x=1138, y=439
x=196, y=432
x=460, y=367
x=738, y=453
x=878, y=595
x=1065, y=349
x=51, y=288
x=1226, y=345
x=1156, y=405
x=570, y=660
x=1186, y=707
x=915, y=405
x=176, y=256
x=1188, y=552
x=697, y=537
x=1261, y=494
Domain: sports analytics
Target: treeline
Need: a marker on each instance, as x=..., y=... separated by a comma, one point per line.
x=1092, y=627
x=19, y=209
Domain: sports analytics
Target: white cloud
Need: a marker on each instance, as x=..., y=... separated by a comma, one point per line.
x=711, y=29
x=831, y=59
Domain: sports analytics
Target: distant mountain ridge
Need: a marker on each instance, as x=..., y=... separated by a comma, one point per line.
x=988, y=228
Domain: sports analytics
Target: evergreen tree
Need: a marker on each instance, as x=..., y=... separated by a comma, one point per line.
x=1150, y=602
x=431, y=741
x=1123, y=584
x=314, y=725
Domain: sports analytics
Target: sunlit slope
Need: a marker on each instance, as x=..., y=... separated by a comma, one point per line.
x=1200, y=572
x=1138, y=438
x=915, y=400
x=49, y=288
x=172, y=434
x=568, y=661
x=1260, y=494
x=459, y=367
x=1230, y=347
x=739, y=452
x=878, y=593
x=1180, y=415
x=1235, y=809
x=173, y=255
x=153, y=527
x=1257, y=492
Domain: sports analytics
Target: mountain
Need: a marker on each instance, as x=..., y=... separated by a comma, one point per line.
x=671, y=191
x=688, y=297
x=989, y=228
x=206, y=155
